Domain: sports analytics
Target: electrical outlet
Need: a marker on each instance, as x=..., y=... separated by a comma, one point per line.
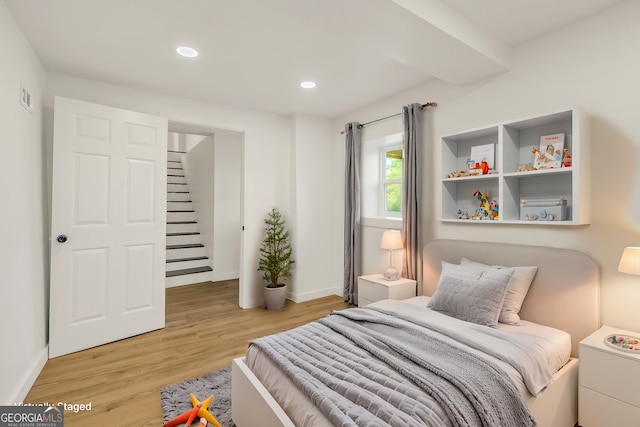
x=26, y=100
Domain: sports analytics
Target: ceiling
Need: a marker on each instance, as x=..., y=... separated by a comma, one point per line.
x=254, y=53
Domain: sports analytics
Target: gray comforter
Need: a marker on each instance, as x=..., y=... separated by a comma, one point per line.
x=368, y=367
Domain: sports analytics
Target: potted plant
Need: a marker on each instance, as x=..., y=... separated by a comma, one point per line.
x=275, y=260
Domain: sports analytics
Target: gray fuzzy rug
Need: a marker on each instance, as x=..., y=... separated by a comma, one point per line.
x=174, y=398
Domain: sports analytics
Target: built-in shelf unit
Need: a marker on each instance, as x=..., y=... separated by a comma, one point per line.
x=513, y=144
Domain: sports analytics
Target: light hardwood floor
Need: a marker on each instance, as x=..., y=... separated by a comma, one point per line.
x=205, y=329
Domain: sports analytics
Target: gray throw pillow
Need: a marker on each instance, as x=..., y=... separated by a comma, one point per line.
x=517, y=289
x=473, y=300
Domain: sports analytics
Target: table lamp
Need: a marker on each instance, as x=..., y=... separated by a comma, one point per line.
x=630, y=264
x=391, y=240
x=630, y=261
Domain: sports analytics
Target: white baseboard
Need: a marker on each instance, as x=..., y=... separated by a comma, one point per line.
x=190, y=279
x=302, y=297
x=29, y=378
x=218, y=277
x=259, y=301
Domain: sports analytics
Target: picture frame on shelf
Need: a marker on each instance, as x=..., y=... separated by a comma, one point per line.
x=483, y=153
x=550, y=153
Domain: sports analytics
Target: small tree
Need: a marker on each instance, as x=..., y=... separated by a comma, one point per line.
x=275, y=252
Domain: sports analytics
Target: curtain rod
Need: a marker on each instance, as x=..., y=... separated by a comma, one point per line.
x=423, y=106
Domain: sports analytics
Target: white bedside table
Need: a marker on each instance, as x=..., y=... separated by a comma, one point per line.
x=374, y=288
x=609, y=392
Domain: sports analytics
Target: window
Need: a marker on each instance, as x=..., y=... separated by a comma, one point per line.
x=391, y=163
x=381, y=178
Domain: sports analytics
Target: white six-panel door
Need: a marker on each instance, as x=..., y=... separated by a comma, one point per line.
x=107, y=226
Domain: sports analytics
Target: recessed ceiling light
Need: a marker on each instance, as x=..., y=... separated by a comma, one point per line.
x=308, y=85
x=189, y=52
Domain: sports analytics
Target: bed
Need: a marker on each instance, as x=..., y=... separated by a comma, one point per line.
x=563, y=295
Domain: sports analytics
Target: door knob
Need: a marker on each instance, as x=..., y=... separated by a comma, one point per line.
x=61, y=238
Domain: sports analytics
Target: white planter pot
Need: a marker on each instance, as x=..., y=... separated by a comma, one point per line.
x=274, y=298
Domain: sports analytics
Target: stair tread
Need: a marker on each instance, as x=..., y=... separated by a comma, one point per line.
x=195, y=258
x=186, y=246
x=188, y=271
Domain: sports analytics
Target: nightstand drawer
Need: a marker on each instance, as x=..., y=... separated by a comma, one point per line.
x=597, y=410
x=611, y=374
x=372, y=291
x=374, y=288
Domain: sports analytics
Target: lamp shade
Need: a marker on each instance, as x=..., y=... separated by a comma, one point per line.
x=391, y=240
x=630, y=261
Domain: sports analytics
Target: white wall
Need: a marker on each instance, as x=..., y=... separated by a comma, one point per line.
x=310, y=226
x=24, y=255
x=591, y=65
x=199, y=170
x=227, y=214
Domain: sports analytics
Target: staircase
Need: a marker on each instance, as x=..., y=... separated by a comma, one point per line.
x=186, y=259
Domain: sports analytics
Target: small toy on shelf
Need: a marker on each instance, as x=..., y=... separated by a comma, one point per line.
x=484, y=208
x=462, y=215
x=493, y=209
x=566, y=158
x=524, y=168
x=484, y=166
x=537, y=155
x=471, y=164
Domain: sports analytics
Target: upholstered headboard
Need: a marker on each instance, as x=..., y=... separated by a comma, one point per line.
x=564, y=294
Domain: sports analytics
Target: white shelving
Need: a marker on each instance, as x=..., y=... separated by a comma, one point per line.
x=513, y=143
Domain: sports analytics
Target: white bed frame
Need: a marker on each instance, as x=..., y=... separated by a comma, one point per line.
x=565, y=294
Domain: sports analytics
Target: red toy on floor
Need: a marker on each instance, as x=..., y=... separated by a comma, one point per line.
x=200, y=409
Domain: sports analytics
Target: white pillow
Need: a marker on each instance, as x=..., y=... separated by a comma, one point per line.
x=517, y=289
x=476, y=300
x=471, y=271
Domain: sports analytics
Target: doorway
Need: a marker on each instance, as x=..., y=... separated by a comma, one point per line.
x=213, y=168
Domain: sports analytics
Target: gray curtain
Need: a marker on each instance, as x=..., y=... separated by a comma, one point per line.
x=411, y=118
x=352, y=256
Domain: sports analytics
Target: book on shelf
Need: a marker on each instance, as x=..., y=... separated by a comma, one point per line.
x=480, y=153
x=549, y=155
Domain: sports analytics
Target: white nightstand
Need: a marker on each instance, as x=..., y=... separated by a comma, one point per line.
x=609, y=392
x=374, y=288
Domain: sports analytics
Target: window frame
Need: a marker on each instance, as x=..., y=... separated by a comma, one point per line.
x=383, y=181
